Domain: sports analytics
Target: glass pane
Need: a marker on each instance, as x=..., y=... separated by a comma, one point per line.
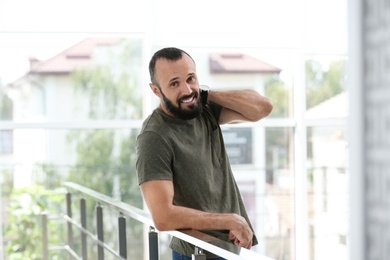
x=239, y=144
x=327, y=192
x=103, y=160
x=262, y=165
x=94, y=77
x=279, y=194
x=325, y=78
x=278, y=87
x=279, y=92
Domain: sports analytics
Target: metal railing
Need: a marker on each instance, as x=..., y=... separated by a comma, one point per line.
x=200, y=240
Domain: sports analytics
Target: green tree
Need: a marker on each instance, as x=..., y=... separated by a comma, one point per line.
x=323, y=84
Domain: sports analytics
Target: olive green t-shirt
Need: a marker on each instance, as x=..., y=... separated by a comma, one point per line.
x=191, y=153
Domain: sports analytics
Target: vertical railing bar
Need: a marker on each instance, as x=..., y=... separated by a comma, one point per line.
x=45, y=245
x=69, y=213
x=99, y=228
x=83, y=217
x=153, y=244
x=122, y=236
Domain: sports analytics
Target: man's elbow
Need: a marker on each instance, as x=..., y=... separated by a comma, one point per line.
x=264, y=109
x=163, y=224
x=267, y=107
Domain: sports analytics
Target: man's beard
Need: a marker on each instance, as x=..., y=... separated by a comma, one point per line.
x=184, y=114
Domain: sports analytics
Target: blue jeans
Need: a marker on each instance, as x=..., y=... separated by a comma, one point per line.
x=178, y=256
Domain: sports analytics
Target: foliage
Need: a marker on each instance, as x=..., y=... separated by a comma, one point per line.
x=111, y=87
x=278, y=93
x=5, y=108
x=47, y=175
x=323, y=84
x=25, y=226
x=6, y=182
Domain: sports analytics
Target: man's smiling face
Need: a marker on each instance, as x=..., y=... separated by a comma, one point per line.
x=177, y=87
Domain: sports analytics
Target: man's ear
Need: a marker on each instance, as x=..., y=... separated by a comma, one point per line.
x=155, y=89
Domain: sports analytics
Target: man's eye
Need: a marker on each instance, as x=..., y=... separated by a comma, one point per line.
x=175, y=84
x=191, y=79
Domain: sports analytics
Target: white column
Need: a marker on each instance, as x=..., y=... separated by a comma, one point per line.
x=355, y=240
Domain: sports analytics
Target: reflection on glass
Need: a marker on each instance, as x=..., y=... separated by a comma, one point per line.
x=238, y=144
x=279, y=223
x=327, y=192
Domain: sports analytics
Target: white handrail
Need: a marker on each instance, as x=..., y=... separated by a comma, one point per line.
x=197, y=238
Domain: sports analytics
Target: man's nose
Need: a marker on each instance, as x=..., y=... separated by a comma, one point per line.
x=187, y=90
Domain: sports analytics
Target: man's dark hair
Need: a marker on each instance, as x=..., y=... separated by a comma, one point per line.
x=170, y=53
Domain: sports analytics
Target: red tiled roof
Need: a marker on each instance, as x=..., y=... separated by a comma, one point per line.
x=76, y=57
x=239, y=63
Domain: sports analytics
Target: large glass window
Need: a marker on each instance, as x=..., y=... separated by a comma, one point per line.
x=74, y=92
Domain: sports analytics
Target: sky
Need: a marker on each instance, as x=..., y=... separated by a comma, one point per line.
x=43, y=28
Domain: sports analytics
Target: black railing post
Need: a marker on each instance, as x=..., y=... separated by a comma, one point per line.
x=122, y=236
x=45, y=245
x=83, y=217
x=153, y=244
x=99, y=228
x=198, y=255
x=69, y=213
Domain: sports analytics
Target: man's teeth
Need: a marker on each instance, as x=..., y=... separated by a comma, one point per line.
x=187, y=100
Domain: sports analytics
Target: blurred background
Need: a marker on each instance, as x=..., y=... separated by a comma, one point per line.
x=74, y=92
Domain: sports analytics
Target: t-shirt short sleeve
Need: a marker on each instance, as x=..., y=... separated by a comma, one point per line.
x=215, y=110
x=152, y=163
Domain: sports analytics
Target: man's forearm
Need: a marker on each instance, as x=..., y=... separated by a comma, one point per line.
x=178, y=217
x=186, y=218
x=249, y=103
x=158, y=195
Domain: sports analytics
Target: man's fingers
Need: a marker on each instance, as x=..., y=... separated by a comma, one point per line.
x=244, y=245
x=249, y=246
